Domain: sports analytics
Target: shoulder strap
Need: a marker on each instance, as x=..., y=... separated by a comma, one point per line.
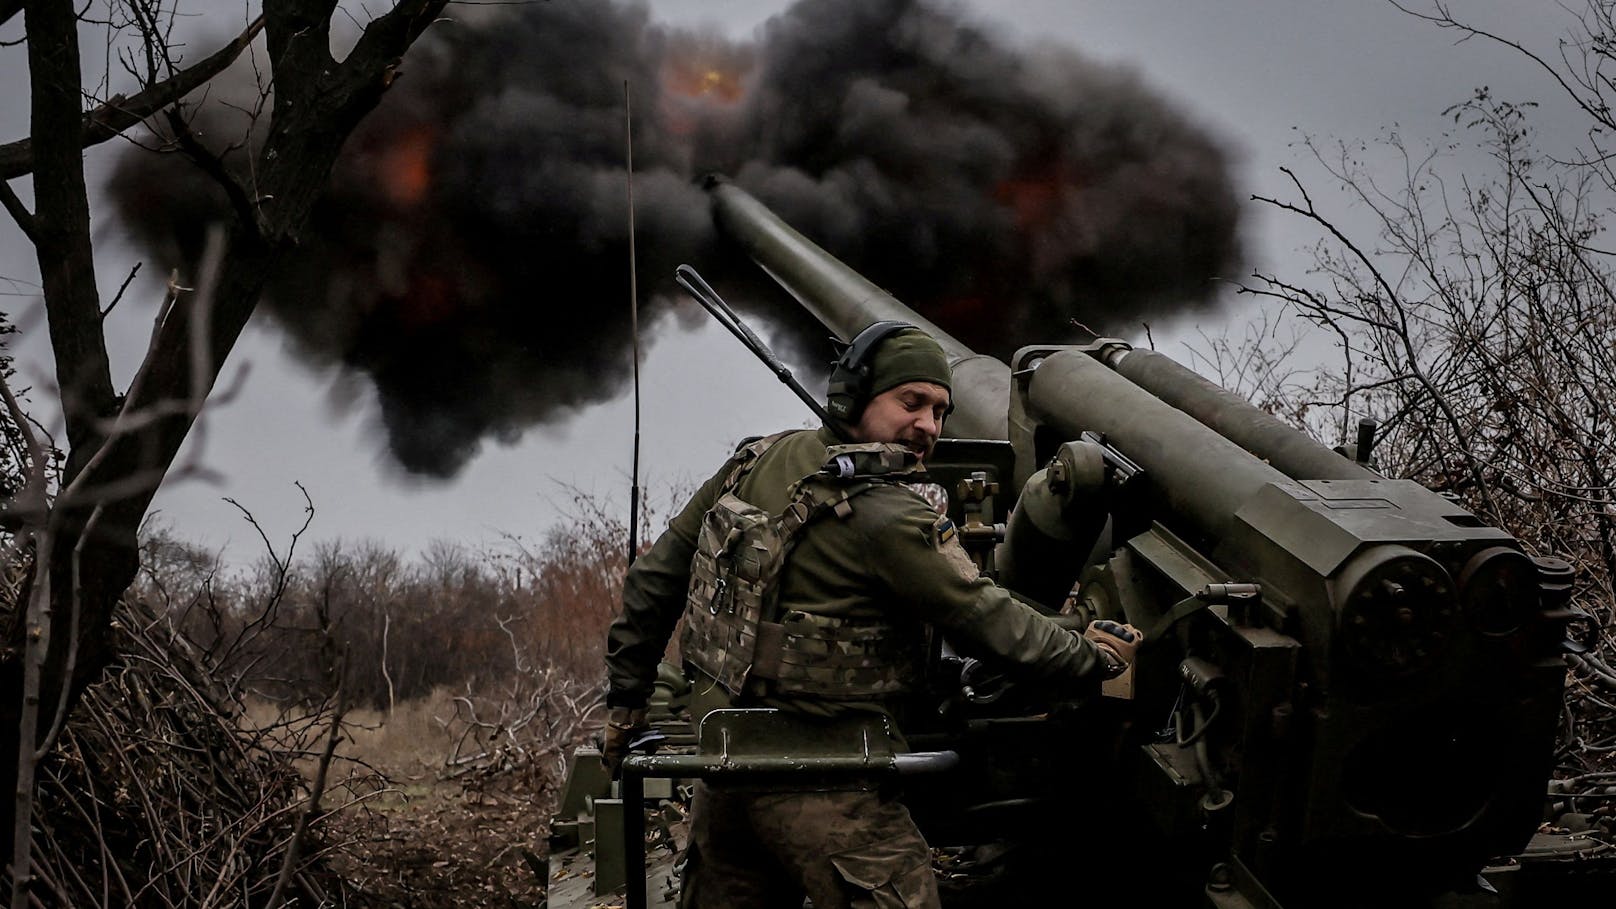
x=746, y=457
x=848, y=471
x=812, y=496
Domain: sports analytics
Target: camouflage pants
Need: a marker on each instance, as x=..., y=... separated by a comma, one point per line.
x=844, y=850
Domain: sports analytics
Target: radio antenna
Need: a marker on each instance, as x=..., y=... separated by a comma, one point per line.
x=634, y=333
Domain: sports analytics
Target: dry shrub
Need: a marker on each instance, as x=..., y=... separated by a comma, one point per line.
x=520, y=737
x=460, y=618
x=159, y=795
x=168, y=789
x=486, y=662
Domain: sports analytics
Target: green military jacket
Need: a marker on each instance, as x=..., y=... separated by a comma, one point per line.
x=885, y=559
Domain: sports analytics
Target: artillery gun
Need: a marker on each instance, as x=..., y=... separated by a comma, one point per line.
x=1350, y=686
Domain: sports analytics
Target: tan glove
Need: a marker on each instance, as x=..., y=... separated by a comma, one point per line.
x=623, y=725
x=1116, y=642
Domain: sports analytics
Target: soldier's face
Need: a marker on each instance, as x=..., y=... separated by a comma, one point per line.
x=910, y=414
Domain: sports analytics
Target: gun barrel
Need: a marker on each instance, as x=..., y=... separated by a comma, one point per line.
x=1204, y=476
x=845, y=302
x=1234, y=418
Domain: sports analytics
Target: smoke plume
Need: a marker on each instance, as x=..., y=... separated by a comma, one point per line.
x=470, y=256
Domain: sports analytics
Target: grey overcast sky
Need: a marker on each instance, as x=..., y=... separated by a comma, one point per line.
x=1255, y=73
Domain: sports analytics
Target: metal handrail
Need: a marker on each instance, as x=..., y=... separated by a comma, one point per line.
x=637, y=768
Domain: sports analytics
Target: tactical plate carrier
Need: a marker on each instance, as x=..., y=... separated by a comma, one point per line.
x=735, y=633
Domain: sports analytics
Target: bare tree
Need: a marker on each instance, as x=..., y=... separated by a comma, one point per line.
x=82, y=524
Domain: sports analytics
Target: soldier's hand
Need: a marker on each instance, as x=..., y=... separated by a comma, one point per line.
x=623, y=725
x=1117, y=643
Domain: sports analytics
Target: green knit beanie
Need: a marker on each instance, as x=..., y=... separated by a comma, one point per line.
x=909, y=356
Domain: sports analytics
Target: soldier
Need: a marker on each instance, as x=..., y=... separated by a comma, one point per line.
x=848, y=564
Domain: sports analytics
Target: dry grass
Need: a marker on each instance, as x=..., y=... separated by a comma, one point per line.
x=412, y=742
x=413, y=736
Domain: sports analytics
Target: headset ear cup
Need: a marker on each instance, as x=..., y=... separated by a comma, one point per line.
x=849, y=386
x=841, y=406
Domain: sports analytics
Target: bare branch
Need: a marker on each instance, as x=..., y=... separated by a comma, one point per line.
x=1443, y=18
x=212, y=165
x=119, y=113
x=18, y=211
x=311, y=810
x=121, y=288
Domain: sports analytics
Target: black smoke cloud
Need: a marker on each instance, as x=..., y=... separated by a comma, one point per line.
x=470, y=254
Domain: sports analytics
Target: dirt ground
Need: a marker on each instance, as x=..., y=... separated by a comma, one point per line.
x=434, y=845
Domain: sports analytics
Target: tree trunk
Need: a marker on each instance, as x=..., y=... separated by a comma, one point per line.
x=318, y=102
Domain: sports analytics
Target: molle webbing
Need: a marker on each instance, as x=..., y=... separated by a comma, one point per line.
x=733, y=630
x=837, y=658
